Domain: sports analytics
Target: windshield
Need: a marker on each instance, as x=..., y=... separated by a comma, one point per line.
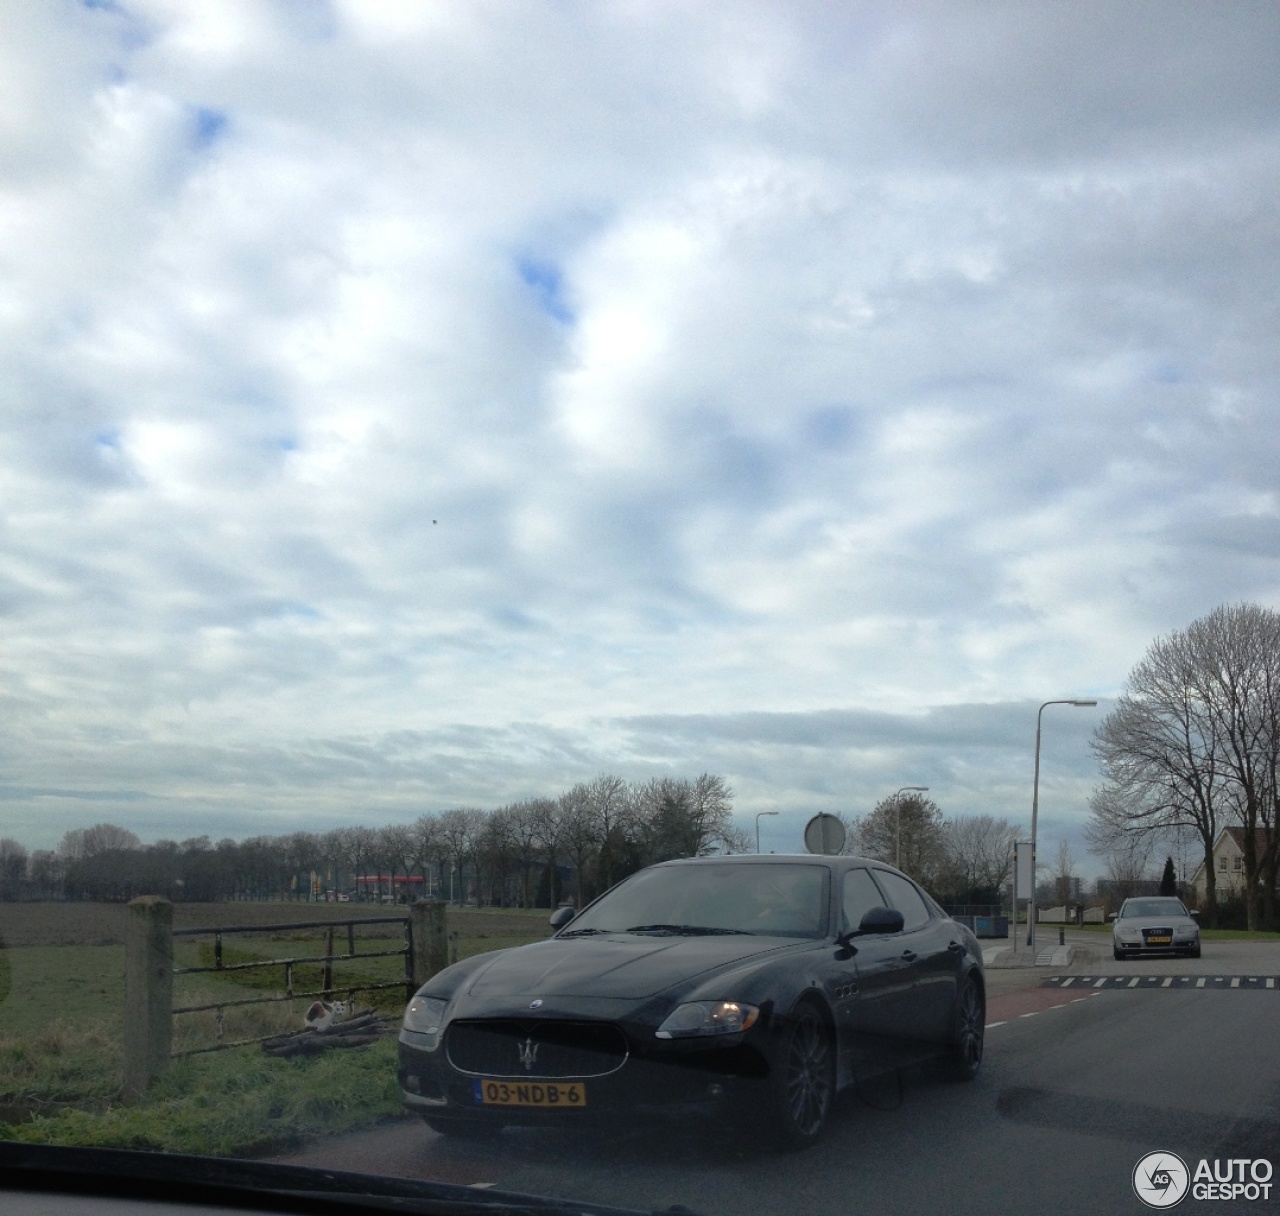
x=1134, y=908
x=769, y=901
x=464, y=460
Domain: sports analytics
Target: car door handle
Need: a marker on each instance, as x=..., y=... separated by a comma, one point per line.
x=909, y=956
x=957, y=947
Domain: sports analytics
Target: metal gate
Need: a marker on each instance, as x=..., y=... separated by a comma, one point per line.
x=328, y=989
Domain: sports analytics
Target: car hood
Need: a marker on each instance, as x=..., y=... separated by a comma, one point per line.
x=620, y=965
x=1154, y=922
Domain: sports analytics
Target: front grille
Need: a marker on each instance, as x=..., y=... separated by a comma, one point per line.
x=508, y=1048
x=1146, y=933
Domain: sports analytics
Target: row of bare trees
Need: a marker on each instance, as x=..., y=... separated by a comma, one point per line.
x=538, y=851
x=965, y=860
x=1192, y=747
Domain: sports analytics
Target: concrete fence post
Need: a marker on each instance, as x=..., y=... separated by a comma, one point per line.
x=430, y=938
x=148, y=993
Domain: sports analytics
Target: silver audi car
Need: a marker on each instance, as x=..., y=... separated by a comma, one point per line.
x=1154, y=925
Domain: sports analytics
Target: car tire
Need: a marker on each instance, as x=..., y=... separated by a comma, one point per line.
x=970, y=1032
x=463, y=1128
x=803, y=1081
x=1119, y=954
x=1194, y=952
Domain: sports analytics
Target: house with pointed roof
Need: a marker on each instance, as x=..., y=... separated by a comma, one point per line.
x=1228, y=862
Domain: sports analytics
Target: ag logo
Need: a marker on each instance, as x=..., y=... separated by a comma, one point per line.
x=1161, y=1180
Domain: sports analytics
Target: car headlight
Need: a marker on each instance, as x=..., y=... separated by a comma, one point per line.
x=698, y=1018
x=1189, y=931
x=425, y=1014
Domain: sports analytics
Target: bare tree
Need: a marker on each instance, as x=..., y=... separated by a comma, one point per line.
x=923, y=841
x=1064, y=865
x=980, y=855
x=459, y=833
x=579, y=835
x=80, y=843
x=1195, y=743
x=609, y=805
x=548, y=830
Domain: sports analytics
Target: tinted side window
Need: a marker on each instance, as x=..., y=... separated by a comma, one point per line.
x=903, y=896
x=860, y=895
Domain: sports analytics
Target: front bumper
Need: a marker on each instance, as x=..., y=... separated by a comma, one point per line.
x=1178, y=945
x=683, y=1079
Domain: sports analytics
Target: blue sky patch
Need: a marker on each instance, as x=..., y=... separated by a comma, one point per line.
x=548, y=285
x=209, y=127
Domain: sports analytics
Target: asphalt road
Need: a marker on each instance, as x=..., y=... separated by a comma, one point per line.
x=1078, y=1084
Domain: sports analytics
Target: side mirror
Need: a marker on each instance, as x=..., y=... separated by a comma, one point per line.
x=881, y=920
x=1193, y=911
x=562, y=916
x=1112, y=915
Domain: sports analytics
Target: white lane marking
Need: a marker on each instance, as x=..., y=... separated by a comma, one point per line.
x=1133, y=983
x=1271, y=983
x=1029, y=1015
x=1071, y=979
x=1168, y=979
x=993, y=1025
x=1235, y=981
x=1200, y=982
x=1100, y=982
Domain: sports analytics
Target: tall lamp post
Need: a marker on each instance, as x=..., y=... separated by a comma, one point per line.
x=1035, y=807
x=758, y=814
x=897, y=809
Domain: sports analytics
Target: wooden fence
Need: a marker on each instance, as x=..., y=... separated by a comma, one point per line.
x=150, y=971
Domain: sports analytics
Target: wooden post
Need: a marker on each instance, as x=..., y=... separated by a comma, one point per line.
x=430, y=943
x=148, y=993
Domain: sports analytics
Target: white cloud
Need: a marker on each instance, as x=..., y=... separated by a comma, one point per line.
x=501, y=374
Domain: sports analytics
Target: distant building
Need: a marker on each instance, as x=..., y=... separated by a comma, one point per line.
x=1228, y=863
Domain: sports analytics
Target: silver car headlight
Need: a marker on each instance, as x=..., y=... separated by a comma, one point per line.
x=699, y=1018
x=1189, y=931
x=425, y=1014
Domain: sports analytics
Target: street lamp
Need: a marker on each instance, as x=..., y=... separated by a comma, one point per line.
x=758, y=814
x=897, y=808
x=1035, y=807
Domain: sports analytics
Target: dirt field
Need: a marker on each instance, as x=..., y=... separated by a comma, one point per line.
x=92, y=924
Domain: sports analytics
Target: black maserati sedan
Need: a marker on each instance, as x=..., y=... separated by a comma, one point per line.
x=749, y=986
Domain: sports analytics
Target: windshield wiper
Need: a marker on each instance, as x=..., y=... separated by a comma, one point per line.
x=583, y=932
x=682, y=930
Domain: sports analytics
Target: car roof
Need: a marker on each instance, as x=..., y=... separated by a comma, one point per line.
x=758, y=859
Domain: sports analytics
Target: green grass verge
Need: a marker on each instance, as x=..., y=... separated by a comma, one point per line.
x=237, y=1103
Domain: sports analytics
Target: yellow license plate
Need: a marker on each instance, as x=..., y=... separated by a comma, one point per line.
x=1159, y=941
x=530, y=1093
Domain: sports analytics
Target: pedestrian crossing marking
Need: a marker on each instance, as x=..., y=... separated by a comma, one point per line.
x=1221, y=983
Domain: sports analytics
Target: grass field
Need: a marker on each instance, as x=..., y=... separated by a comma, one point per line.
x=61, y=1028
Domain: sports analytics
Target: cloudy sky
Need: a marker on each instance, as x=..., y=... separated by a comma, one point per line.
x=405, y=406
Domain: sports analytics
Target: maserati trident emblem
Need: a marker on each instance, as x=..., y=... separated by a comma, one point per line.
x=528, y=1054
